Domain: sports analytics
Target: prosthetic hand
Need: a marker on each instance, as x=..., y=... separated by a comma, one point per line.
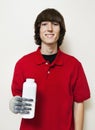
x=20, y=105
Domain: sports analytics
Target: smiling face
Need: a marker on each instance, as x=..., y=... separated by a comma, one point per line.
x=49, y=32
x=49, y=15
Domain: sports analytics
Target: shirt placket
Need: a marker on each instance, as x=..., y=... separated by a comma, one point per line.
x=48, y=67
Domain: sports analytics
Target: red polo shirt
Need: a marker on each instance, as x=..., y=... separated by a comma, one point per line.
x=59, y=84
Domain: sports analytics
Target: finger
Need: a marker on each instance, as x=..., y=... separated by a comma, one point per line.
x=21, y=110
x=26, y=104
x=27, y=99
x=17, y=109
x=25, y=110
x=18, y=103
x=23, y=103
x=18, y=98
x=23, y=99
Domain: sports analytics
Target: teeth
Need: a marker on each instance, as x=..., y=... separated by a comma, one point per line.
x=49, y=35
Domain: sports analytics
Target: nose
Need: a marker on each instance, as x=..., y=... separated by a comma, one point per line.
x=50, y=27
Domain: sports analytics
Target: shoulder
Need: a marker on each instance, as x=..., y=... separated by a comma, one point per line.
x=72, y=64
x=26, y=58
x=70, y=59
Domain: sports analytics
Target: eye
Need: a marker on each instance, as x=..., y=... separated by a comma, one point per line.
x=55, y=23
x=43, y=23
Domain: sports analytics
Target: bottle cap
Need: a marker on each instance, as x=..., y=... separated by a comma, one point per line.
x=30, y=80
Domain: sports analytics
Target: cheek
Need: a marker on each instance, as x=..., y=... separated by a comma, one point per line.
x=57, y=31
x=57, y=34
x=41, y=32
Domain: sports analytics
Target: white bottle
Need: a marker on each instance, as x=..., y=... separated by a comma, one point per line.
x=29, y=91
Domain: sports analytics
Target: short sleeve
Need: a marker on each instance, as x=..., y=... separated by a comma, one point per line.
x=81, y=88
x=17, y=81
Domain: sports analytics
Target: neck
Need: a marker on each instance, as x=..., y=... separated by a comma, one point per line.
x=48, y=49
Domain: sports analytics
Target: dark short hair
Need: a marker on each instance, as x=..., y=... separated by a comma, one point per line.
x=52, y=15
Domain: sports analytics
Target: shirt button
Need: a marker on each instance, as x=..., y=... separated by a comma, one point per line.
x=48, y=72
x=46, y=63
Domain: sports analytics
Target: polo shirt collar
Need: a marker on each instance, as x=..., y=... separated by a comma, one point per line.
x=40, y=60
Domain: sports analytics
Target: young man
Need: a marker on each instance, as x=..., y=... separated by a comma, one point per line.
x=62, y=86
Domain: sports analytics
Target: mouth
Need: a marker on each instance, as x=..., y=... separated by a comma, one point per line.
x=49, y=35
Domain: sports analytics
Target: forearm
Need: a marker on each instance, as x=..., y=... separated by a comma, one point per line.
x=78, y=115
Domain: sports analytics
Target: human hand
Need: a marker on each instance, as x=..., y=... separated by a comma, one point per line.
x=20, y=105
